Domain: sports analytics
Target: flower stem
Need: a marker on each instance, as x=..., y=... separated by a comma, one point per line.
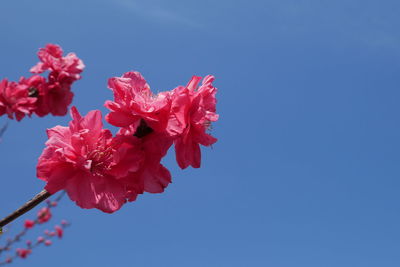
x=36, y=200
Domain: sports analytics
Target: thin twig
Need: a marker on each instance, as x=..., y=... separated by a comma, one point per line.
x=19, y=236
x=36, y=200
x=2, y=130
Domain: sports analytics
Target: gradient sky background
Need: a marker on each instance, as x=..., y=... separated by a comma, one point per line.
x=306, y=169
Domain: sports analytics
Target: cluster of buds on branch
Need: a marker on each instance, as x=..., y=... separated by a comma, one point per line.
x=8, y=252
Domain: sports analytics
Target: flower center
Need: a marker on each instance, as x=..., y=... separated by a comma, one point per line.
x=33, y=92
x=99, y=161
x=142, y=130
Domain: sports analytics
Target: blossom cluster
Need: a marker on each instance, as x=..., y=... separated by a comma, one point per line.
x=101, y=170
x=37, y=94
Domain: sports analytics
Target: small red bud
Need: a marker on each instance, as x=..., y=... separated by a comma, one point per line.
x=29, y=224
x=59, y=231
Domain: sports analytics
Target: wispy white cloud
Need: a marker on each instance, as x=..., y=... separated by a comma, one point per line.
x=155, y=12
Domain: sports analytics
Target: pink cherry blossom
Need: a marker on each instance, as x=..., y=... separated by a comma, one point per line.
x=152, y=176
x=51, y=57
x=15, y=100
x=134, y=103
x=89, y=164
x=56, y=96
x=192, y=111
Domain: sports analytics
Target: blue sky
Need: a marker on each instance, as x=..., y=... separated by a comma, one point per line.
x=306, y=169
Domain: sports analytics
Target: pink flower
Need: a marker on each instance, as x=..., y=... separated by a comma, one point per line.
x=56, y=96
x=51, y=57
x=40, y=239
x=23, y=253
x=29, y=224
x=192, y=111
x=152, y=176
x=15, y=100
x=44, y=215
x=59, y=231
x=33, y=84
x=48, y=242
x=89, y=164
x=134, y=104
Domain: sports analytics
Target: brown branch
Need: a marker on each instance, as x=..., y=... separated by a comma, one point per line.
x=36, y=200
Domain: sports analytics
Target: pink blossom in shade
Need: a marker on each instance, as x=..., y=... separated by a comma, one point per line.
x=59, y=231
x=44, y=215
x=152, y=176
x=29, y=224
x=88, y=163
x=33, y=84
x=56, y=96
x=134, y=103
x=23, y=253
x=15, y=100
x=192, y=111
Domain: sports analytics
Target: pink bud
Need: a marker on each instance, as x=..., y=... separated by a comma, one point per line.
x=54, y=204
x=23, y=253
x=47, y=242
x=29, y=224
x=8, y=260
x=44, y=215
x=59, y=231
x=28, y=243
x=40, y=239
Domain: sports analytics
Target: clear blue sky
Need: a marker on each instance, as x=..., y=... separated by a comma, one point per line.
x=306, y=169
